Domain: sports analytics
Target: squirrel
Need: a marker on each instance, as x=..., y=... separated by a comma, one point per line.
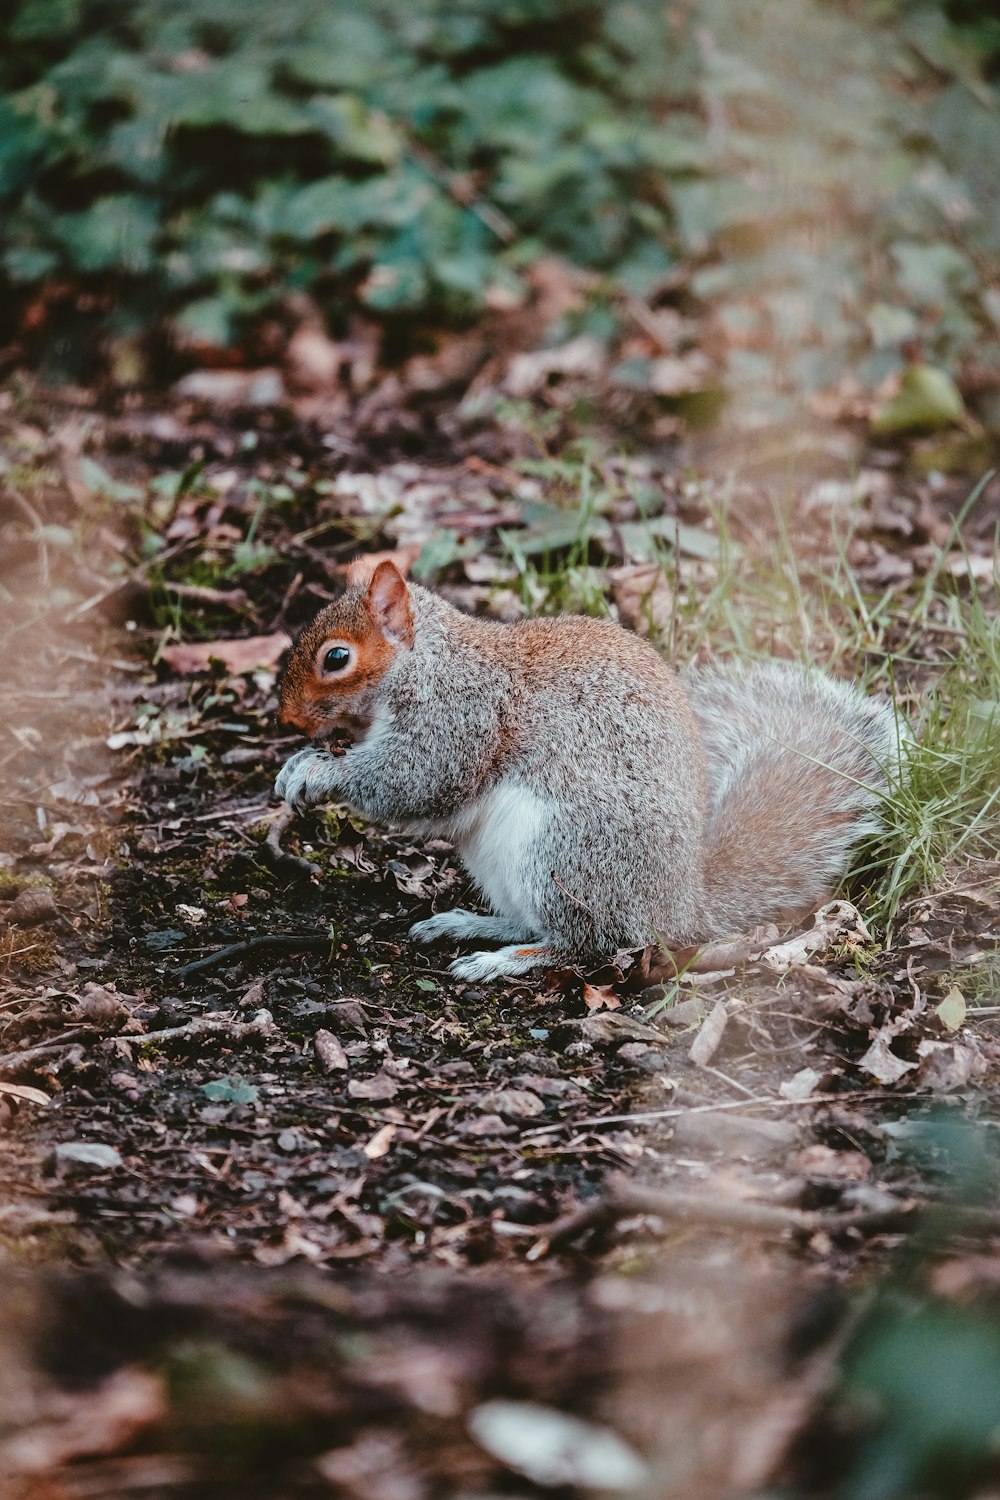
x=598, y=799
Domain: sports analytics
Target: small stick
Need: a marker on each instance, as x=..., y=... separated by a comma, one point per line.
x=280, y=859
x=274, y=942
x=626, y=1199
x=770, y=1101
x=205, y=1026
x=22, y=1062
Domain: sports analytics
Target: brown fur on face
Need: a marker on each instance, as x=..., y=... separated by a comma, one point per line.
x=374, y=620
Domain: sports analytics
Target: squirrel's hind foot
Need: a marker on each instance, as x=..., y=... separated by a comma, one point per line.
x=505, y=963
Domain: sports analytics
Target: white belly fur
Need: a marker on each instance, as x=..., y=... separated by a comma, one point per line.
x=495, y=842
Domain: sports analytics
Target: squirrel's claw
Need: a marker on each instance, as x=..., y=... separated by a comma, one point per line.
x=301, y=782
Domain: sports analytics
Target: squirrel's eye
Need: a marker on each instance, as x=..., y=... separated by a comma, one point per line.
x=336, y=659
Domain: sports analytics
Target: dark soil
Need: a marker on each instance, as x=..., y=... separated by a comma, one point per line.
x=285, y=1124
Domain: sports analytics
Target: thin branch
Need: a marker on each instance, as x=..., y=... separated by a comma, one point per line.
x=275, y=942
x=768, y=1101
x=279, y=859
x=625, y=1199
x=24, y=1061
x=236, y=1031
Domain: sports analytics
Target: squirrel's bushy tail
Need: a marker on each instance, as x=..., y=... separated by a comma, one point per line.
x=795, y=763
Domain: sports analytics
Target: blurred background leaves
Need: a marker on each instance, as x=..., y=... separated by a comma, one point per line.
x=823, y=176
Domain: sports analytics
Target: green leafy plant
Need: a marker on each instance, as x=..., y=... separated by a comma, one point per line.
x=213, y=163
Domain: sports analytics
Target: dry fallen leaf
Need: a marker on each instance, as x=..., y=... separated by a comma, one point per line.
x=100, y=1003
x=359, y=571
x=706, y=1043
x=24, y=1091
x=951, y=1011
x=946, y=1066
x=801, y=1085
x=838, y=924
x=600, y=997
x=678, y=375
x=527, y=373
x=643, y=597
x=515, y=1104
x=555, y=1450
x=379, y=1087
x=823, y=1161
x=329, y=1053
x=881, y=1062
x=380, y=1142
x=109, y=1419
x=32, y=908
x=313, y=360
x=250, y=653
x=262, y=387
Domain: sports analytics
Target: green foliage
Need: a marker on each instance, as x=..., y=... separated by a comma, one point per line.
x=919, y=1377
x=196, y=168
x=211, y=162
x=946, y=808
x=230, y=1090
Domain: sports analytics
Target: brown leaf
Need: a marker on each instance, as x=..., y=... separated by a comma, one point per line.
x=248, y=654
x=615, y=1026
x=263, y=387
x=823, y=1161
x=24, y=1091
x=527, y=373
x=108, y=1419
x=379, y=1087
x=414, y=877
x=32, y=907
x=951, y=1011
x=679, y=375
x=380, y=1143
x=515, y=1104
x=99, y=1003
x=600, y=997
x=329, y=1053
x=313, y=360
x=948, y=1065
x=706, y=1043
x=804, y=1083
x=361, y=568
x=253, y=998
x=838, y=924
x=739, y=1135
x=881, y=1062
x=644, y=598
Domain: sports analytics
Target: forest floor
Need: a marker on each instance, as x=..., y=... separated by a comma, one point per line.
x=286, y=1209
x=238, y=1103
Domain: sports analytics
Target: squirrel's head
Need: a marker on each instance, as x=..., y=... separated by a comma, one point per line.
x=329, y=681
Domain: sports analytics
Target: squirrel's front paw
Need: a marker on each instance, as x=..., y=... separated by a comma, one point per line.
x=305, y=779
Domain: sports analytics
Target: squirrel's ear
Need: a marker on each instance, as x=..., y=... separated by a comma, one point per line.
x=389, y=601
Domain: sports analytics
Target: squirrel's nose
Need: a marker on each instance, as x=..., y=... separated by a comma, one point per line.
x=300, y=719
x=287, y=719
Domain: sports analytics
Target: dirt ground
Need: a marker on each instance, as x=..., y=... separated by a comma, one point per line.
x=286, y=1209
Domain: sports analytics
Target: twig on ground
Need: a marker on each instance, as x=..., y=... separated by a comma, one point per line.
x=767, y=1101
x=279, y=859
x=22, y=1062
x=625, y=1199
x=236, y=1031
x=274, y=942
